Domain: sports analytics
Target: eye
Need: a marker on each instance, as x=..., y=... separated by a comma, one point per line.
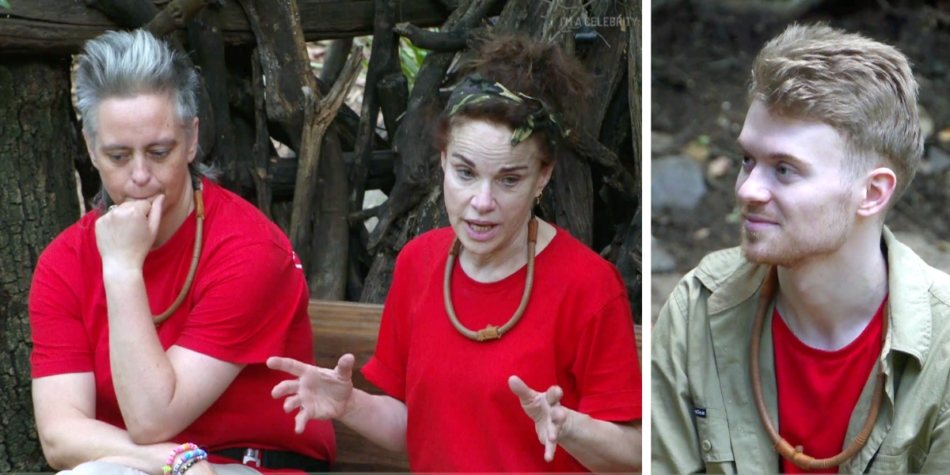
x=747, y=161
x=464, y=173
x=510, y=180
x=160, y=153
x=115, y=156
x=783, y=170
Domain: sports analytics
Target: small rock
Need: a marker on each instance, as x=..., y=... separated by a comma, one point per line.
x=676, y=183
x=697, y=151
x=926, y=123
x=719, y=167
x=726, y=106
x=937, y=161
x=723, y=121
x=661, y=143
x=944, y=136
x=701, y=234
x=660, y=259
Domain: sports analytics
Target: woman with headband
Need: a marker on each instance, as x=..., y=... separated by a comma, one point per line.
x=501, y=330
x=152, y=316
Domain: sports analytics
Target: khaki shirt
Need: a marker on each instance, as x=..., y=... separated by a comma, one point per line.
x=701, y=344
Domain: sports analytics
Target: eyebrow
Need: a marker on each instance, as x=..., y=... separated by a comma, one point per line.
x=777, y=156
x=158, y=143
x=504, y=169
x=467, y=161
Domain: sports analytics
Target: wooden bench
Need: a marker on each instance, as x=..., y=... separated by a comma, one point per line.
x=346, y=327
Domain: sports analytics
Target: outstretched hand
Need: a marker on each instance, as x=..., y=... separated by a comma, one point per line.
x=319, y=393
x=550, y=418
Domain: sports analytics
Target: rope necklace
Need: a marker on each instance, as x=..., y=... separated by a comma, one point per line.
x=490, y=332
x=200, y=215
x=795, y=454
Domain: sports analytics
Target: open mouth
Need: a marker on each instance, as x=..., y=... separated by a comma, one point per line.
x=480, y=230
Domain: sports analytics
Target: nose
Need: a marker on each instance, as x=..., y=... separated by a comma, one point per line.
x=752, y=187
x=141, y=173
x=483, y=201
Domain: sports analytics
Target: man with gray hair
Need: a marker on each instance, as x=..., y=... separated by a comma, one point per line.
x=153, y=316
x=822, y=337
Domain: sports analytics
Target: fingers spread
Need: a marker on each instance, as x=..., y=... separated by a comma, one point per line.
x=285, y=388
x=558, y=415
x=549, y=448
x=554, y=394
x=526, y=394
x=301, y=421
x=291, y=403
x=287, y=365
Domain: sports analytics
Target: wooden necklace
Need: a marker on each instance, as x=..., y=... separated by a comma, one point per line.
x=200, y=215
x=795, y=454
x=490, y=332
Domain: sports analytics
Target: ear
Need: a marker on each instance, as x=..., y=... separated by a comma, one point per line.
x=91, y=150
x=442, y=160
x=193, y=144
x=878, y=191
x=546, y=172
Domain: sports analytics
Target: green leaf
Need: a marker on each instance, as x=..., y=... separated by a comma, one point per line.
x=5, y=4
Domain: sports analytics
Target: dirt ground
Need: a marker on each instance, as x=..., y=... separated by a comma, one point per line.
x=700, y=71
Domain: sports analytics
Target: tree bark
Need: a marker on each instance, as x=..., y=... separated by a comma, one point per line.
x=383, y=60
x=283, y=54
x=38, y=199
x=319, y=114
x=63, y=26
x=334, y=60
x=331, y=229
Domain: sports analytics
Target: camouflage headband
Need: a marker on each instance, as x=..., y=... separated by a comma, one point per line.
x=475, y=89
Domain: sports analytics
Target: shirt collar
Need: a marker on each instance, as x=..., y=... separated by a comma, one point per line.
x=909, y=284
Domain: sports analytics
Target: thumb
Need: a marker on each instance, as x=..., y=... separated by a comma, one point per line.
x=155, y=214
x=521, y=390
x=344, y=367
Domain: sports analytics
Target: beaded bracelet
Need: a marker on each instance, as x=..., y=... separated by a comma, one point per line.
x=184, y=468
x=174, y=453
x=189, y=455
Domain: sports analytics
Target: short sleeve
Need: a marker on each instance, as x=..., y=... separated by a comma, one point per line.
x=245, y=307
x=387, y=368
x=606, y=366
x=60, y=341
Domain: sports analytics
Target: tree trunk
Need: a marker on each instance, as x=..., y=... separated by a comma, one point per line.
x=38, y=199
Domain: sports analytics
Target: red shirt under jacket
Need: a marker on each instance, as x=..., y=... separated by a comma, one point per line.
x=817, y=389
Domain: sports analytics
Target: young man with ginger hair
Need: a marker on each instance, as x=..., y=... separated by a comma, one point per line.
x=821, y=326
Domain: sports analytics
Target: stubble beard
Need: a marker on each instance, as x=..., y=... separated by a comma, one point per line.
x=793, y=248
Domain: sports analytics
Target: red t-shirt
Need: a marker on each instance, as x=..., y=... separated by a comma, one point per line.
x=817, y=389
x=577, y=332
x=248, y=302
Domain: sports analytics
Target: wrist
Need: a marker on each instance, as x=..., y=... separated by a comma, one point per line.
x=354, y=405
x=568, y=432
x=119, y=272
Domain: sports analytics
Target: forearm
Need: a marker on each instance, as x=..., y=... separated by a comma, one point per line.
x=73, y=441
x=143, y=377
x=381, y=419
x=603, y=446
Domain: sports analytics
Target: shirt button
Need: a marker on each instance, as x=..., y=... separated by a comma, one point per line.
x=707, y=446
